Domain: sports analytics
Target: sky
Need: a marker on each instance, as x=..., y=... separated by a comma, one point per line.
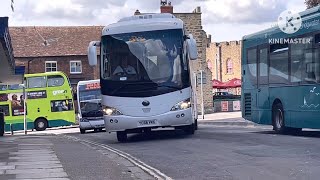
x=225, y=20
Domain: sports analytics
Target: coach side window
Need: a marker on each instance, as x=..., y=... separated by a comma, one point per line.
x=263, y=66
x=279, y=70
x=317, y=40
x=317, y=58
x=252, y=65
x=301, y=62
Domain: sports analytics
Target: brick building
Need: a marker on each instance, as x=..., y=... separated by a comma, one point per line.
x=45, y=49
x=224, y=60
x=193, y=24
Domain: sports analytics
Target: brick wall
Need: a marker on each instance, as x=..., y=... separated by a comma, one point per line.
x=193, y=24
x=229, y=50
x=37, y=65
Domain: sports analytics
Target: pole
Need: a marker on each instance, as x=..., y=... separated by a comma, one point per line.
x=24, y=109
x=195, y=94
x=1, y=123
x=29, y=61
x=202, y=107
x=216, y=64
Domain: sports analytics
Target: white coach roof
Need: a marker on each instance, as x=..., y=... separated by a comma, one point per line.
x=145, y=22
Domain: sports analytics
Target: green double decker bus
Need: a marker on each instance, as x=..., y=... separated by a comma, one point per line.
x=49, y=102
x=281, y=75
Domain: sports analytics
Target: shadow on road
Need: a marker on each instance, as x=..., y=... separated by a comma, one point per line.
x=157, y=135
x=305, y=133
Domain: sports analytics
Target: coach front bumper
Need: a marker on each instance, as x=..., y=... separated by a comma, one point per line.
x=169, y=119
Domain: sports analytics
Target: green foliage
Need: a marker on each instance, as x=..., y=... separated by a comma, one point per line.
x=312, y=3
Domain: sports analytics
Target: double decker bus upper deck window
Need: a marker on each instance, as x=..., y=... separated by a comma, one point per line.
x=3, y=87
x=55, y=80
x=37, y=82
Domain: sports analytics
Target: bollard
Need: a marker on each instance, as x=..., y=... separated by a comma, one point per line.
x=1, y=124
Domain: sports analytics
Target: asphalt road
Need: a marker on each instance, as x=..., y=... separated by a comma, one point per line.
x=243, y=153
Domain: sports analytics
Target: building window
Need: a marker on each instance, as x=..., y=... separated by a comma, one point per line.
x=75, y=67
x=229, y=66
x=51, y=66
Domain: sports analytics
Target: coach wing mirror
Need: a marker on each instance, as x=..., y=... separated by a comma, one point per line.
x=92, y=52
x=192, y=47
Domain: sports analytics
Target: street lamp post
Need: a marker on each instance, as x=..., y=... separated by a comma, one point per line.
x=201, y=87
x=200, y=81
x=24, y=108
x=29, y=61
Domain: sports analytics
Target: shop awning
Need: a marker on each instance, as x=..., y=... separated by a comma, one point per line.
x=233, y=83
x=216, y=83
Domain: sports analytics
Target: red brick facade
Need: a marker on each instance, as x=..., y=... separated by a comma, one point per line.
x=37, y=65
x=33, y=46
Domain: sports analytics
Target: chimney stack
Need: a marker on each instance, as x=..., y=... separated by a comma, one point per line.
x=166, y=7
x=137, y=12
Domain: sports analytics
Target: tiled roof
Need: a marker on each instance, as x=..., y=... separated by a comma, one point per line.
x=29, y=41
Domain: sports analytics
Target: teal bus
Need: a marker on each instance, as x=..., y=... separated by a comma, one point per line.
x=281, y=76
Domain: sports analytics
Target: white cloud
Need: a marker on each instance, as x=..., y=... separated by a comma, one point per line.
x=224, y=19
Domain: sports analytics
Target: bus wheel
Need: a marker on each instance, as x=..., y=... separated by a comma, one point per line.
x=196, y=124
x=190, y=129
x=147, y=131
x=122, y=136
x=41, y=124
x=295, y=131
x=278, y=120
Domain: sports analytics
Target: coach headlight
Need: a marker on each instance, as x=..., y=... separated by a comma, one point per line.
x=182, y=105
x=110, y=111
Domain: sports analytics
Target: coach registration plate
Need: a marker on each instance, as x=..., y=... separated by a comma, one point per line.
x=147, y=122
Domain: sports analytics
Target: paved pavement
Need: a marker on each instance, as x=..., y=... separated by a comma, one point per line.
x=224, y=119
x=51, y=157
x=221, y=116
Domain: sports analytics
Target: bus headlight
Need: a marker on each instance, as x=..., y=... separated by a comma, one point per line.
x=182, y=105
x=110, y=111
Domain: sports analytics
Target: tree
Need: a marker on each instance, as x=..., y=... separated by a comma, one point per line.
x=312, y=3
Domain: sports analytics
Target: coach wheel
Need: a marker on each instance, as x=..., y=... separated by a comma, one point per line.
x=196, y=124
x=190, y=129
x=122, y=136
x=278, y=119
x=82, y=131
x=41, y=124
x=147, y=131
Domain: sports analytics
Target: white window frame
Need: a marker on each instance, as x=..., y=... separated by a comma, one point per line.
x=76, y=61
x=45, y=70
